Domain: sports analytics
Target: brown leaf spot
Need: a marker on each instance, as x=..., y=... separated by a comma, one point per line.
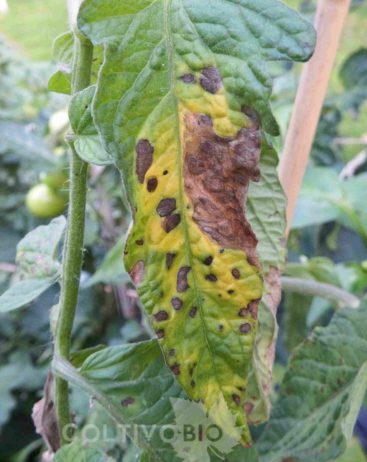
x=251, y=309
x=245, y=328
x=193, y=312
x=127, y=401
x=144, y=158
x=208, y=261
x=195, y=165
x=211, y=80
x=217, y=173
x=188, y=78
x=236, y=399
x=139, y=242
x=172, y=352
x=193, y=384
x=176, y=369
x=244, y=312
x=176, y=303
x=236, y=273
x=171, y=222
x=161, y=316
x=220, y=327
x=166, y=207
x=137, y=273
x=160, y=333
x=254, y=308
x=211, y=277
x=169, y=259
x=152, y=184
x=182, y=283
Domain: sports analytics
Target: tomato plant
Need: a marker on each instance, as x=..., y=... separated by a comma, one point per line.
x=175, y=95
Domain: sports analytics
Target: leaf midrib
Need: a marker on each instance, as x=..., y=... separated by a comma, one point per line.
x=170, y=57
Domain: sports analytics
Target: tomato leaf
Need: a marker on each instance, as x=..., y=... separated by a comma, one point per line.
x=87, y=142
x=60, y=81
x=77, y=451
x=321, y=393
x=144, y=398
x=38, y=266
x=182, y=106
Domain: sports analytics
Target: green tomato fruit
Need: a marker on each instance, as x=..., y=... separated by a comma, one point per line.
x=43, y=202
x=55, y=180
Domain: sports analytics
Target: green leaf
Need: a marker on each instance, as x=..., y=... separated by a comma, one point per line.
x=112, y=270
x=63, y=55
x=17, y=374
x=140, y=397
x=86, y=139
x=321, y=393
x=29, y=148
x=353, y=453
x=326, y=197
x=266, y=210
x=23, y=292
x=183, y=93
x=354, y=70
x=37, y=251
x=38, y=267
x=63, y=50
x=78, y=452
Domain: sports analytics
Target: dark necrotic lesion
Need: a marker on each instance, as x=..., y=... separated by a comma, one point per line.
x=144, y=158
x=170, y=256
x=217, y=173
x=176, y=303
x=161, y=316
x=211, y=80
x=182, y=282
x=166, y=207
x=152, y=184
x=171, y=222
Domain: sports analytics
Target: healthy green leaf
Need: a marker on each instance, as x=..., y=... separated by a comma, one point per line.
x=353, y=75
x=353, y=453
x=30, y=148
x=326, y=197
x=182, y=104
x=63, y=55
x=63, y=50
x=321, y=393
x=23, y=292
x=86, y=139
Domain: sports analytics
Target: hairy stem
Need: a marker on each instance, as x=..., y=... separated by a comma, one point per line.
x=319, y=289
x=73, y=248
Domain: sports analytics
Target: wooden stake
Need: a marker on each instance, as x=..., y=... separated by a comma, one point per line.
x=330, y=19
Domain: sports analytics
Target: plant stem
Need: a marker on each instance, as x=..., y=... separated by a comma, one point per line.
x=330, y=18
x=309, y=287
x=73, y=247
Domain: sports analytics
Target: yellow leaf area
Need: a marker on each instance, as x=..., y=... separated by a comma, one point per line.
x=187, y=250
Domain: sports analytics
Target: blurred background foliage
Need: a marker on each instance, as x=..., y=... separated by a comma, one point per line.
x=328, y=242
